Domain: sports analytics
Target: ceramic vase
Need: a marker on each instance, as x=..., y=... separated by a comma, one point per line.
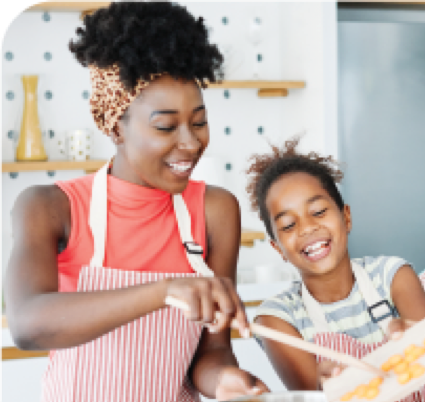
x=30, y=145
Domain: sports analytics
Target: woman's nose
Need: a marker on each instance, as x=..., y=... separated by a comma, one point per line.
x=188, y=140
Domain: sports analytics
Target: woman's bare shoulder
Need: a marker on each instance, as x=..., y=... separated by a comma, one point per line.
x=44, y=205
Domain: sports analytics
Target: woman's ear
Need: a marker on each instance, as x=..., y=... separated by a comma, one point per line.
x=347, y=218
x=117, y=136
x=274, y=244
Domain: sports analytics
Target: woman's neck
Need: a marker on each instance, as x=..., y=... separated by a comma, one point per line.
x=123, y=170
x=333, y=286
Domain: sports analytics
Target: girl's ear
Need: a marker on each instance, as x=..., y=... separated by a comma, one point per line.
x=274, y=244
x=347, y=218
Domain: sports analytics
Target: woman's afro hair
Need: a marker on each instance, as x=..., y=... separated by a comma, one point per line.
x=148, y=38
x=267, y=168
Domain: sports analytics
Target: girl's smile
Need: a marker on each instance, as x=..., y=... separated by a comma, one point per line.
x=310, y=229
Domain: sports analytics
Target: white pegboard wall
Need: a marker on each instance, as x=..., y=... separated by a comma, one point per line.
x=289, y=39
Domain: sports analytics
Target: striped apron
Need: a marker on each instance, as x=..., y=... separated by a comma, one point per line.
x=344, y=343
x=145, y=360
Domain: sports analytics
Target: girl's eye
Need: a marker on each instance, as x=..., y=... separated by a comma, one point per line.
x=200, y=124
x=167, y=129
x=288, y=227
x=320, y=212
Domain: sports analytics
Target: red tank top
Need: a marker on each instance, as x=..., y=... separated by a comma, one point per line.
x=142, y=232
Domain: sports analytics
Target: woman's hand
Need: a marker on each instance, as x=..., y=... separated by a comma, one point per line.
x=327, y=369
x=397, y=327
x=234, y=383
x=205, y=296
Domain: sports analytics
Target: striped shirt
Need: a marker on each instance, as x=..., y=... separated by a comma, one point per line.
x=348, y=316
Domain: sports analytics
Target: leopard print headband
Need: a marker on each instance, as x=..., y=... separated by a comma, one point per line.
x=110, y=99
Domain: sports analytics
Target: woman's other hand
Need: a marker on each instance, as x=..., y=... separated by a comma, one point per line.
x=234, y=383
x=205, y=296
x=327, y=369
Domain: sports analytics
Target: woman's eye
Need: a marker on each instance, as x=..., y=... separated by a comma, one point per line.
x=200, y=124
x=167, y=129
x=320, y=212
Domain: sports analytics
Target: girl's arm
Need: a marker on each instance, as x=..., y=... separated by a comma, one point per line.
x=297, y=369
x=41, y=318
x=408, y=294
x=215, y=369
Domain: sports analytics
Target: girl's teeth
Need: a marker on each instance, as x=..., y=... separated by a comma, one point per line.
x=315, y=248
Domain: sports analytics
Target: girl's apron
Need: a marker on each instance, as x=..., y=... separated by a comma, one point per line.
x=145, y=360
x=379, y=309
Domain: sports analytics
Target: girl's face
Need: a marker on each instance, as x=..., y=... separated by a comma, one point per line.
x=164, y=134
x=311, y=231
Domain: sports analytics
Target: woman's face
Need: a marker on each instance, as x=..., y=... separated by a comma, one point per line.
x=164, y=134
x=310, y=230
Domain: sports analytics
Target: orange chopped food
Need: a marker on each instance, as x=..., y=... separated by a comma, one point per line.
x=419, y=351
x=409, y=349
x=416, y=370
x=401, y=367
x=404, y=378
x=347, y=396
x=376, y=382
x=411, y=358
x=360, y=391
x=372, y=392
x=394, y=360
x=387, y=366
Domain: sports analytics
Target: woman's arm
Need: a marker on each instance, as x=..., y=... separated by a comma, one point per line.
x=215, y=369
x=41, y=318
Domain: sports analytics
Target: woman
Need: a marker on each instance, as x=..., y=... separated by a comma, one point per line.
x=94, y=258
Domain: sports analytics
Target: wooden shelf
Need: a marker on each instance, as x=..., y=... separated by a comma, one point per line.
x=249, y=236
x=69, y=5
x=384, y=1
x=89, y=166
x=265, y=89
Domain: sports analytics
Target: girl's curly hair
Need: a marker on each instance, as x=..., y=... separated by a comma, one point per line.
x=268, y=168
x=148, y=38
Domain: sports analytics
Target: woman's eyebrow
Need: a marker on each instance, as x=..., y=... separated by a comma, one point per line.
x=154, y=113
x=170, y=111
x=197, y=109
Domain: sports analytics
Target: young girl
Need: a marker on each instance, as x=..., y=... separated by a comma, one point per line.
x=340, y=303
x=94, y=258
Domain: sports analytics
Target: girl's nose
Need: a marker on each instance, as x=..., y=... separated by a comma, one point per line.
x=307, y=226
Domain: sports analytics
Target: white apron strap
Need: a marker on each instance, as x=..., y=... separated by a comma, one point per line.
x=98, y=214
x=193, y=250
x=314, y=311
x=98, y=223
x=377, y=307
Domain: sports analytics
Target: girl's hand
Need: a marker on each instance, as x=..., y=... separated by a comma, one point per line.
x=327, y=369
x=397, y=326
x=205, y=296
x=234, y=383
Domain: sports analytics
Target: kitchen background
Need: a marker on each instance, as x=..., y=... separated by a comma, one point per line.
x=340, y=75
